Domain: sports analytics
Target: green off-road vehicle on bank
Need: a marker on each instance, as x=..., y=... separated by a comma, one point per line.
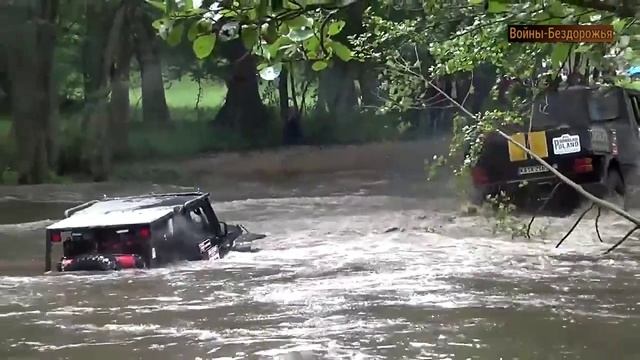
x=589, y=134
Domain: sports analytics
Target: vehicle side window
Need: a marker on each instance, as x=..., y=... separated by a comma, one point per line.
x=635, y=104
x=198, y=217
x=170, y=227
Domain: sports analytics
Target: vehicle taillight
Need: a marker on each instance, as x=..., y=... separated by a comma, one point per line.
x=126, y=261
x=144, y=233
x=614, y=142
x=583, y=165
x=479, y=176
x=56, y=237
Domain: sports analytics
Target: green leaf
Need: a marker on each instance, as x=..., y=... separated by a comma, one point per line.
x=312, y=43
x=159, y=24
x=557, y=9
x=476, y=2
x=175, y=36
x=343, y=52
x=277, y=45
x=300, y=21
x=583, y=48
x=319, y=65
x=269, y=32
x=618, y=24
x=335, y=27
x=559, y=54
x=272, y=72
x=164, y=27
x=249, y=36
x=262, y=8
x=160, y=5
x=300, y=34
x=194, y=31
x=496, y=6
x=203, y=45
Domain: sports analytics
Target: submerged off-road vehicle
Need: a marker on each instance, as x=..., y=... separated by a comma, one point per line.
x=589, y=134
x=141, y=232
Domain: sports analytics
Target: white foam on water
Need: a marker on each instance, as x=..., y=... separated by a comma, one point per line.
x=327, y=277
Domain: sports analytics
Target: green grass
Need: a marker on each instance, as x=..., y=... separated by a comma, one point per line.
x=184, y=94
x=190, y=131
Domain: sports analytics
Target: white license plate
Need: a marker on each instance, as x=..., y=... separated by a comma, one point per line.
x=566, y=144
x=525, y=170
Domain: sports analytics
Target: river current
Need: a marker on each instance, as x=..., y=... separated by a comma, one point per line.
x=349, y=274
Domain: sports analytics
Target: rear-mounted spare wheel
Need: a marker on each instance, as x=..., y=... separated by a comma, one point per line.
x=90, y=263
x=96, y=262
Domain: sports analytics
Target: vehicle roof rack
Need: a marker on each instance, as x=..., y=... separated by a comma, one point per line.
x=199, y=196
x=190, y=193
x=75, y=209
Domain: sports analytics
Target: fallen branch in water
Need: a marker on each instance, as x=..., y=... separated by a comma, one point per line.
x=542, y=207
x=595, y=201
x=623, y=239
x=575, y=225
x=597, y=227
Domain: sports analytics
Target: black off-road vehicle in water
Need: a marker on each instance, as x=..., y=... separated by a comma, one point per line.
x=141, y=232
x=589, y=134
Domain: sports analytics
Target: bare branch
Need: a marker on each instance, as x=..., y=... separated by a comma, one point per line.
x=623, y=239
x=597, y=227
x=575, y=225
x=542, y=207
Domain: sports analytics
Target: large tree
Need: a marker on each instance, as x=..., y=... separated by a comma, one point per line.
x=29, y=34
x=154, y=103
x=106, y=24
x=256, y=38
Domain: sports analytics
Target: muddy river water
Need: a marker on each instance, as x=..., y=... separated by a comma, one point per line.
x=331, y=281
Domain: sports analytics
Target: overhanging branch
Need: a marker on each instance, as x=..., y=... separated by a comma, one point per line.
x=618, y=7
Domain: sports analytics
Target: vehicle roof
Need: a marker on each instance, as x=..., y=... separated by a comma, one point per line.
x=132, y=210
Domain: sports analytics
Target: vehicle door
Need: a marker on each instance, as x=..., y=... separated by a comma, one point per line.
x=199, y=237
x=634, y=99
x=629, y=139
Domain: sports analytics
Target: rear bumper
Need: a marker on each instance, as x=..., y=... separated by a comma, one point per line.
x=541, y=187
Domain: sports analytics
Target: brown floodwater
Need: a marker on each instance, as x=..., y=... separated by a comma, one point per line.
x=330, y=282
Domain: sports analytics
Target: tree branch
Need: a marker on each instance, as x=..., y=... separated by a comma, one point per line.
x=613, y=6
x=575, y=225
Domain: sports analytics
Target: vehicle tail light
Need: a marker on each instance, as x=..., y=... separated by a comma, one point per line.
x=614, y=143
x=144, y=233
x=126, y=261
x=56, y=237
x=479, y=176
x=583, y=165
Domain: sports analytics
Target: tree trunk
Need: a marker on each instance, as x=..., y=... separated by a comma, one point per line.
x=154, y=103
x=96, y=121
x=337, y=92
x=29, y=33
x=5, y=86
x=104, y=31
x=243, y=108
x=283, y=94
x=120, y=103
